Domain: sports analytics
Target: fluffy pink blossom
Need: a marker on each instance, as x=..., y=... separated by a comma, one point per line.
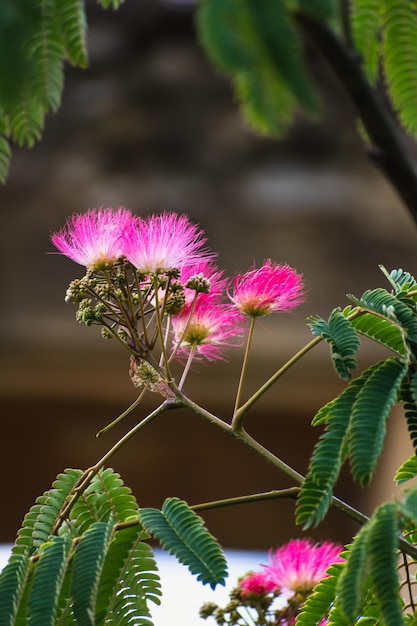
x=296, y=567
x=270, y=288
x=94, y=239
x=256, y=583
x=300, y=564
x=211, y=329
x=164, y=242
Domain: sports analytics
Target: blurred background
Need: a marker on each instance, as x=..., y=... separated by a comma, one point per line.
x=151, y=126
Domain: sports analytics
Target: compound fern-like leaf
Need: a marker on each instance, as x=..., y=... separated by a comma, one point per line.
x=88, y=565
x=45, y=81
x=47, y=581
x=139, y=584
x=407, y=470
x=73, y=28
x=400, y=54
x=317, y=489
x=12, y=582
x=182, y=533
x=343, y=339
x=120, y=560
x=369, y=414
x=383, y=554
x=318, y=604
x=38, y=522
x=352, y=580
x=365, y=16
x=255, y=43
x=386, y=332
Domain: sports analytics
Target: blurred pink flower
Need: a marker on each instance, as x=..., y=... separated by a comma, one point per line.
x=94, y=238
x=256, y=583
x=211, y=329
x=163, y=242
x=270, y=288
x=300, y=564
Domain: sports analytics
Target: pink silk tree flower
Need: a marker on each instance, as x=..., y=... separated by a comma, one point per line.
x=164, y=242
x=256, y=583
x=270, y=288
x=94, y=238
x=298, y=566
x=199, y=275
x=208, y=333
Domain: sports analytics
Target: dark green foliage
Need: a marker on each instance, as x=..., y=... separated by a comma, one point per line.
x=182, y=533
x=372, y=407
x=36, y=38
x=355, y=427
x=400, y=52
x=354, y=576
x=257, y=45
x=12, y=586
x=407, y=471
x=380, y=329
x=40, y=519
x=343, y=339
x=47, y=581
x=383, y=555
x=365, y=25
x=87, y=568
x=318, y=603
x=138, y=584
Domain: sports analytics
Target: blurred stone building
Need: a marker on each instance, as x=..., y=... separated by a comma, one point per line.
x=151, y=126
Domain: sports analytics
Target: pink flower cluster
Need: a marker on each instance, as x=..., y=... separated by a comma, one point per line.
x=294, y=568
x=98, y=238
x=156, y=244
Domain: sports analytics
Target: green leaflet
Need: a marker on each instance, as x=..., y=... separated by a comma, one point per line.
x=88, y=564
x=330, y=452
x=354, y=575
x=256, y=44
x=383, y=553
x=106, y=496
x=182, y=533
x=319, y=602
x=47, y=581
x=128, y=578
x=355, y=428
x=138, y=584
x=72, y=23
x=343, y=339
x=407, y=470
x=12, y=581
x=384, y=331
x=400, y=53
x=399, y=309
x=365, y=18
x=369, y=414
x=41, y=517
x=45, y=51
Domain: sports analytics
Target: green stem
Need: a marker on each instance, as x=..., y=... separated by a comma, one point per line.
x=187, y=367
x=237, y=420
x=276, y=494
x=122, y=415
x=181, y=339
x=240, y=413
x=160, y=330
